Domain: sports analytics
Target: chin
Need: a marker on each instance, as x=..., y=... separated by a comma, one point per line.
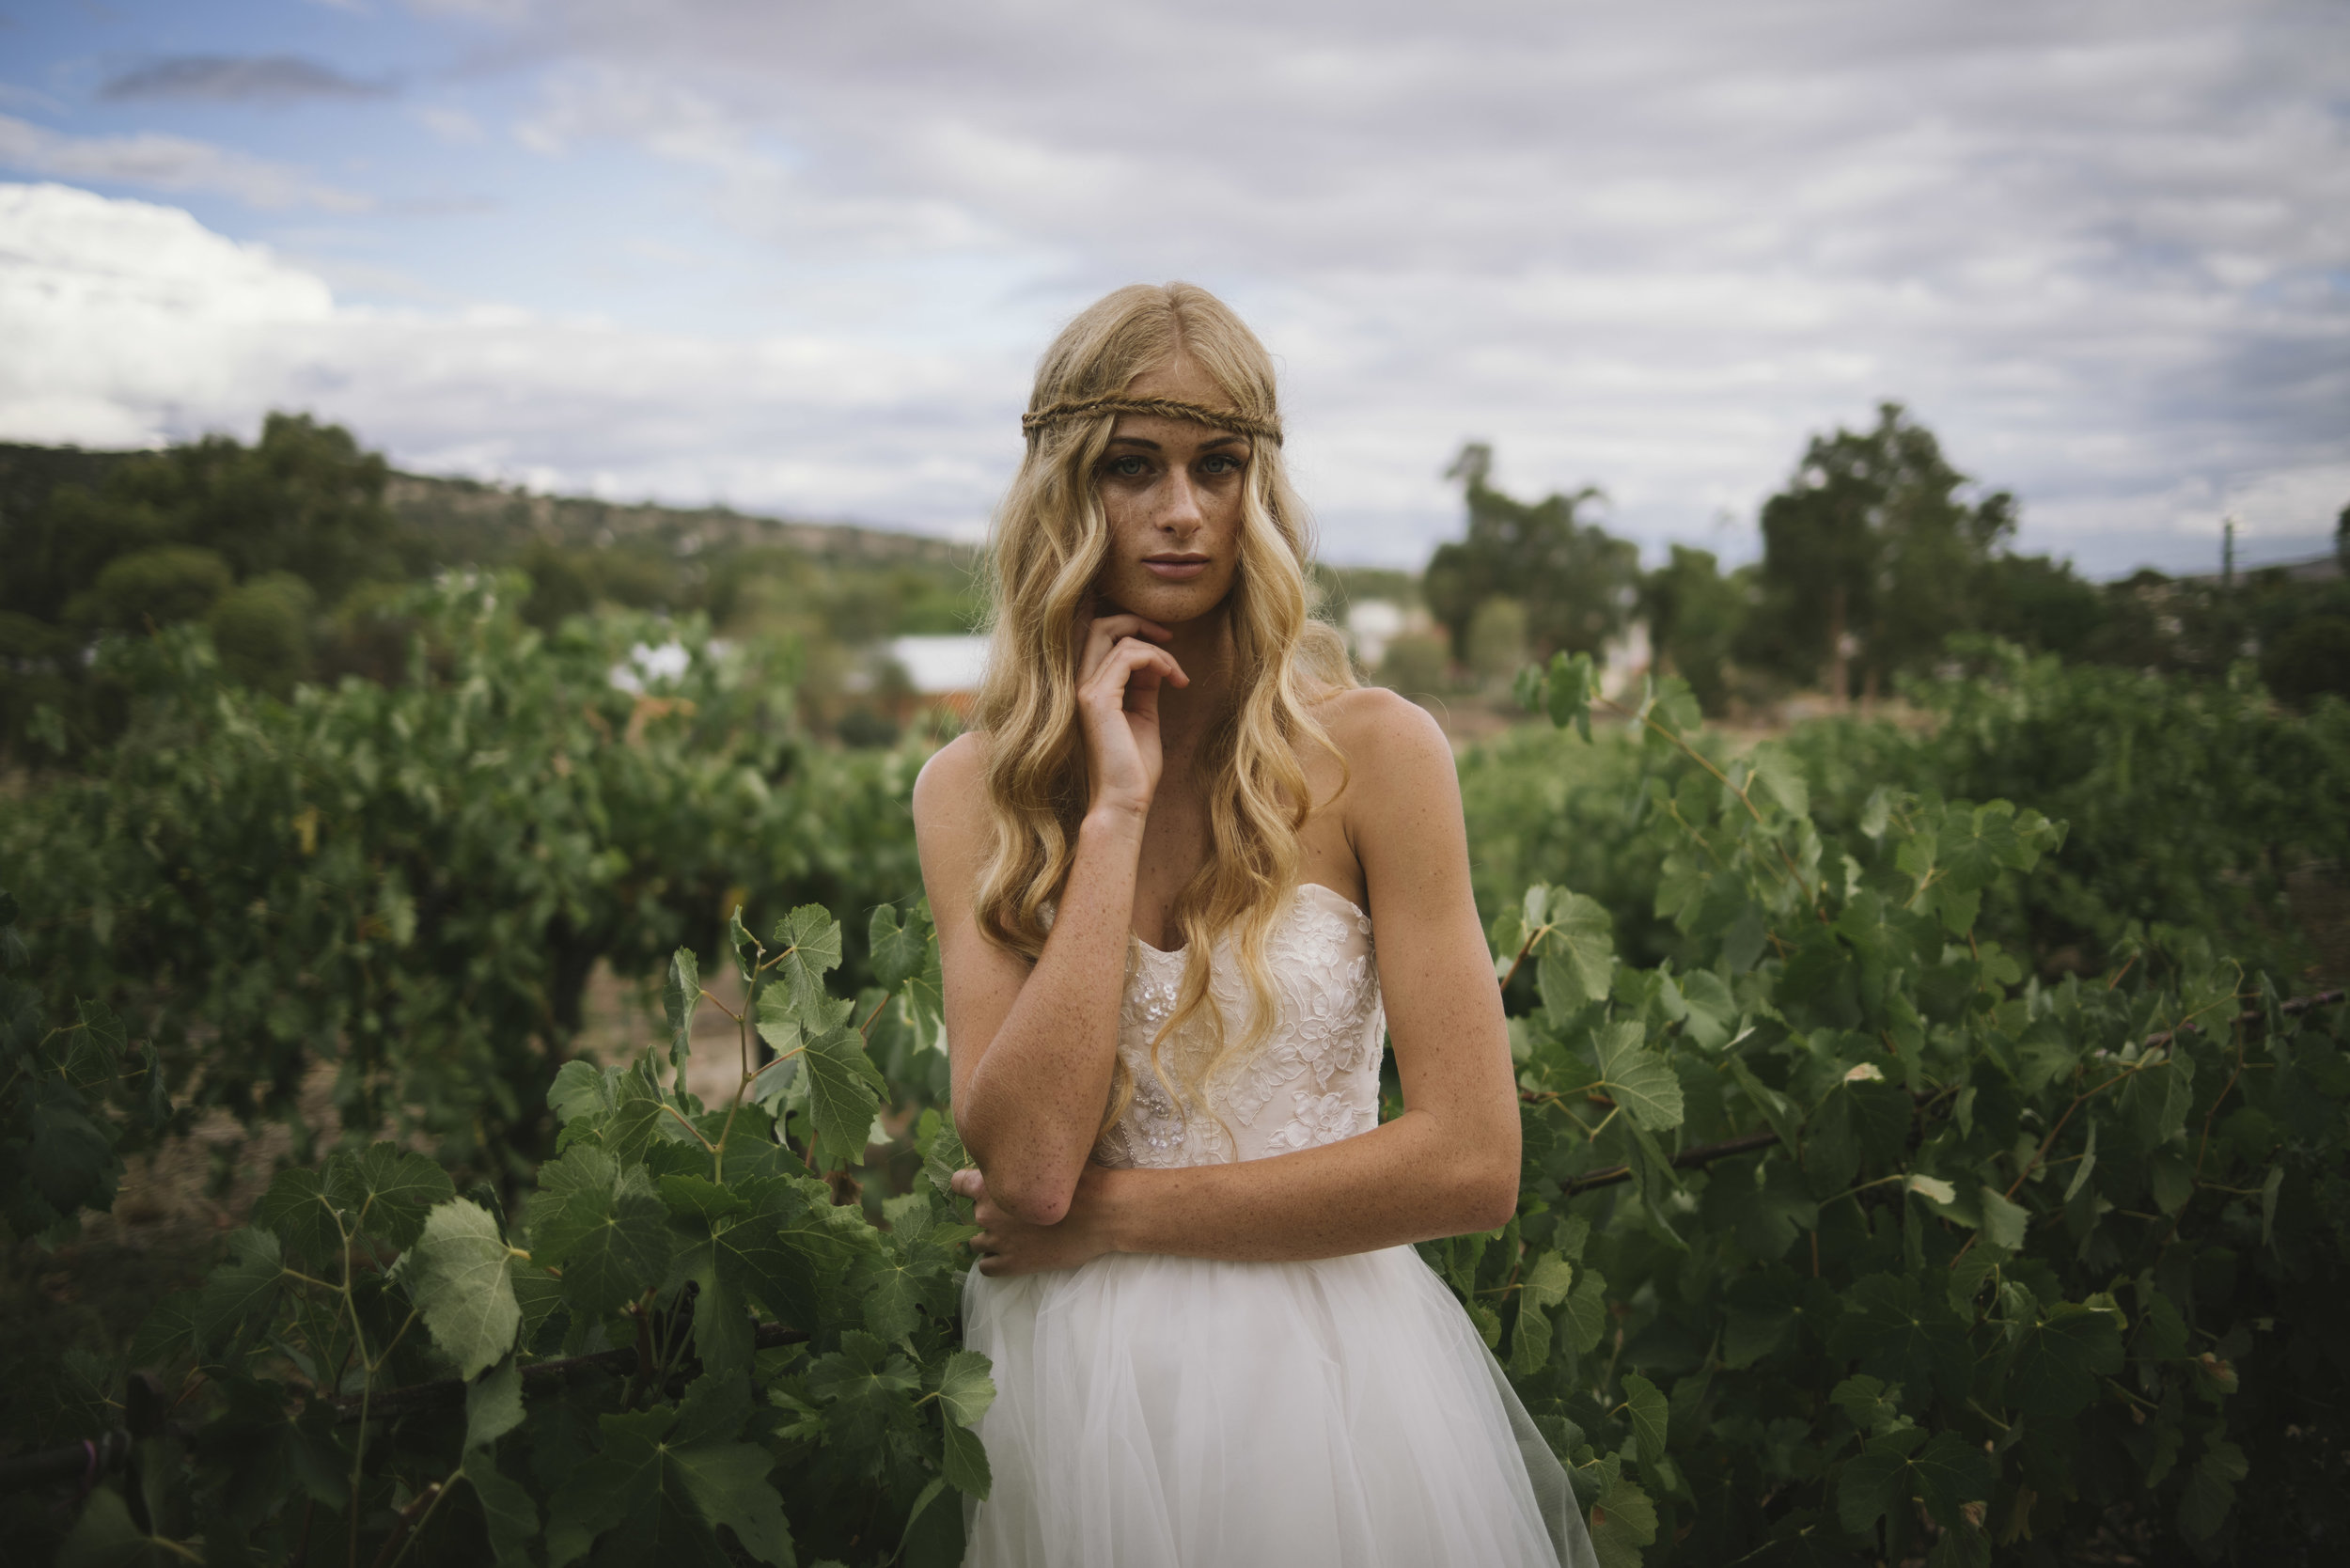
x=1168, y=604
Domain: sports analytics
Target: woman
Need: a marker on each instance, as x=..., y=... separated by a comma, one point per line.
x=1156, y=863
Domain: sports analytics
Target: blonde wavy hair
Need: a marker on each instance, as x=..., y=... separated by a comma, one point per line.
x=1051, y=538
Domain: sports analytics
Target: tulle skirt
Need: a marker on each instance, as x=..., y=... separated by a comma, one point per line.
x=1156, y=1412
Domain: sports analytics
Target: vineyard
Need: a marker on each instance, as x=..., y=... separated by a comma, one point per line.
x=1934, y=1132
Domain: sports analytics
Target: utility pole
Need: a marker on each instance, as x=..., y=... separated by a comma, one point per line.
x=2227, y=557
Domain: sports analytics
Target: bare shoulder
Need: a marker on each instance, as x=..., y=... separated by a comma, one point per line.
x=1390, y=743
x=952, y=785
x=950, y=824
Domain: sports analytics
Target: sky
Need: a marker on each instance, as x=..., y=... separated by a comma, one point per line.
x=800, y=256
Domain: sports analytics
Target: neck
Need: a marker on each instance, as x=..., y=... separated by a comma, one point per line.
x=1205, y=648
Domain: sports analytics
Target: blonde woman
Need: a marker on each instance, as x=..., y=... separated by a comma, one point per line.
x=1157, y=864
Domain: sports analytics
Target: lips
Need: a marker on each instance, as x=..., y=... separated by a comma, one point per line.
x=1175, y=568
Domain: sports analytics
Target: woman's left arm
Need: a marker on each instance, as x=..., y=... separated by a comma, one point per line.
x=1449, y=1164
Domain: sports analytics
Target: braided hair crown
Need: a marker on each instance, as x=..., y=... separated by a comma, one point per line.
x=1087, y=374
x=1170, y=408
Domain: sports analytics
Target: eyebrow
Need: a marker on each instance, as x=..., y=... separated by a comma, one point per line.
x=1146, y=441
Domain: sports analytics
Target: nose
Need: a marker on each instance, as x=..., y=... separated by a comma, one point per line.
x=1179, y=511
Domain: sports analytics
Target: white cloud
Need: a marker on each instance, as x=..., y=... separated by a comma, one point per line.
x=2098, y=246
x=126, y=321
x=166, y=162
x=130, y=323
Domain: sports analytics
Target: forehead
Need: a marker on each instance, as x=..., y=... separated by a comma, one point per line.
x=1182, y=379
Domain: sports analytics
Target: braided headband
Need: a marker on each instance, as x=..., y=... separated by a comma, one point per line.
x=1169, y=408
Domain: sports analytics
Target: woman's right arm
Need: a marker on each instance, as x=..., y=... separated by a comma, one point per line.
x=1032, y=1045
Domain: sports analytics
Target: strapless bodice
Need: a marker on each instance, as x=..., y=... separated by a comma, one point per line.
x=1313, y=1079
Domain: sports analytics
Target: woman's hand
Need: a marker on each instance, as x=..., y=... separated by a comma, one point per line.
x=1119, y=674
x=1007, y=1245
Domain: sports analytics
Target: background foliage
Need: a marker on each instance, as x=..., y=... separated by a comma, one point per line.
x=1923, y=1159
x=1845, y=1240
x=414, y=879
x=678, y=1346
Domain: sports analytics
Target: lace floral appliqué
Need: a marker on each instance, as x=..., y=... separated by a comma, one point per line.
x=1321, y=1058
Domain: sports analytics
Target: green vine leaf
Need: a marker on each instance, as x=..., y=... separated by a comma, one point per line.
x=1640, y=1080
x=900, y=947
x=660, y=1500
x=966, y=1387
x=2058, y=1360
x=1548, y=1281
x=680, y=993
x=245, y=1284
x=602, y=1228
x=1577, y=963
x=297, y=1209
x=1622, y=1521
x=494, y=1404
x=506, y=1509
x=844, y=1091
x=388, y=1190
x=1651, y=1415
x=811, y=938
x=964, y=1461
x=457, y=1275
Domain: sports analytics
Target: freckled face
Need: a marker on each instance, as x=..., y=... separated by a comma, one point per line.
x=1172, y=493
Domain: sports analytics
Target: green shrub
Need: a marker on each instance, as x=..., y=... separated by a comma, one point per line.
x=1843, y=1241
x=1497, y=637
x=677, y=1348
x=2188, y=802
x=160, y=586
x=261, y=631
x=72, y=1098
x=414, y=881
x=1415, y=663
x=2310, y=661
x=1844, y=1236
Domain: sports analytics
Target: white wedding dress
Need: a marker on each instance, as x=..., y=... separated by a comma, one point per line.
x=1159, y=1412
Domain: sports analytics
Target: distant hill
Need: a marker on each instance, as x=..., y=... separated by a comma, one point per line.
x=465, y=520
x=465, y=516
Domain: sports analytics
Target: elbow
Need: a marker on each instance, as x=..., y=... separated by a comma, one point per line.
x=1490, y=1203
x=1030, y=1188
x=1034, y=1203
x=1488, y=1192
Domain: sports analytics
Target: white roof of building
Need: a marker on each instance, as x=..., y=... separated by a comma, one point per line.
x=939, y=664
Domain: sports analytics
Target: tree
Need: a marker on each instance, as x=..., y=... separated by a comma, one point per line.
x=2310, y=661
x=1496, y=638
x=160, y=587
x=1695, y=615
x=2042, y=605
x=304, y=499
x=1870, y=554
x=262, y=630
x=1576, y=579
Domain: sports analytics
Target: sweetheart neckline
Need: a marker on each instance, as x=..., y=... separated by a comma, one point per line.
x=1356, y=909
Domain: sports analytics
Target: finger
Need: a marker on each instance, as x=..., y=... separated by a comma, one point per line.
x=1124, y=660
x=1104, y=634
x=967, y=1184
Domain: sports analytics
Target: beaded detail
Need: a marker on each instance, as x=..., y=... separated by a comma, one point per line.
x=1319, y=1063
